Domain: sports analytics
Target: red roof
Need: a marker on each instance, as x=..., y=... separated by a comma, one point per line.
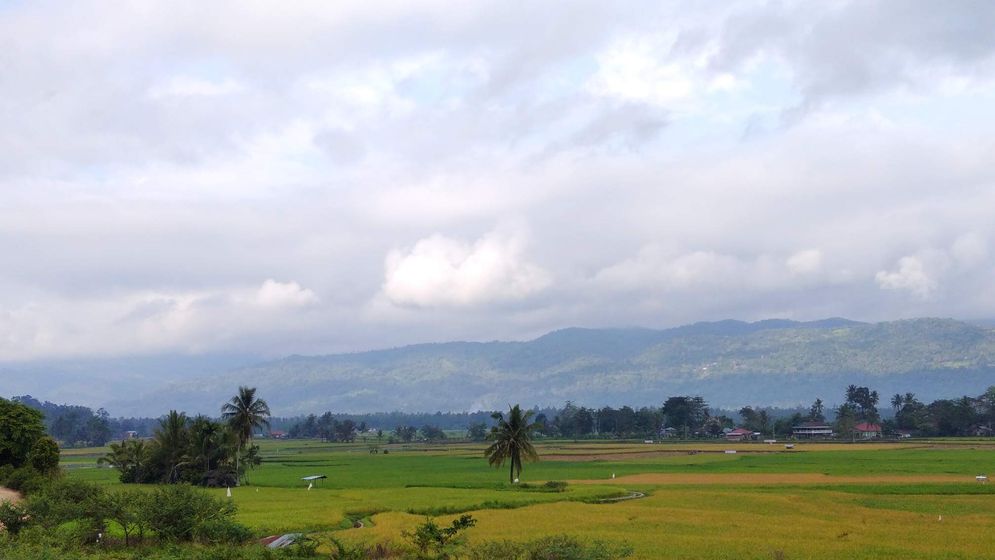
x=739, y=432
x=865, y=427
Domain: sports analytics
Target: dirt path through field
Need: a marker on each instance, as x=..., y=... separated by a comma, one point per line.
x=7, y=495
x=759, y=479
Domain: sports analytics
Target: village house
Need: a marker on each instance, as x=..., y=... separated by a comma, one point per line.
x=739, y=434
x=811, y=430
x=865, y=430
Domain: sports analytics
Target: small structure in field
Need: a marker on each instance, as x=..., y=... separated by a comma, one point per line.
x=866, y=430
x=981, y=478
x=313, y=479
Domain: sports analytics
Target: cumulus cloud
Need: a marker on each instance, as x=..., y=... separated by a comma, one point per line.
x=275, y=294
x=440, y=271
x=910, y=275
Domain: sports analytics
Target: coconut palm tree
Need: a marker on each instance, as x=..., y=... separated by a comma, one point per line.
x=512, y=437
x=244, y=412
x=171, y=439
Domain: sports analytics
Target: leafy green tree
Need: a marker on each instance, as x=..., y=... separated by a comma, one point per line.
x=432, y=433
x=687, y=413
x=817, y=412
x=477, y=431
x=245, y=412
x=44, y=455
x=405, y=433
x=20, y=427
x=131, y=458
x=846, y=420
x=126, y=508
x=512, y=437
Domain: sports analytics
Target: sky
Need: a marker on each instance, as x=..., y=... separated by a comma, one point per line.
x=314, y=177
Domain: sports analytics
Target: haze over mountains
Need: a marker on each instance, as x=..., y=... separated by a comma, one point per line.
x=730, y=363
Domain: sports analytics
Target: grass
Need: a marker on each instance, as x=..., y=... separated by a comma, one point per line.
x=911, y=500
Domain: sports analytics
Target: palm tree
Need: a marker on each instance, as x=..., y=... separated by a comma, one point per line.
x=512, y=441
x=171, y=438
x=897, y=401
x=245, y=412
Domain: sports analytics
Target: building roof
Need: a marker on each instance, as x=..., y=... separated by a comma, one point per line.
x=812, y=425
x=740, y=432
x=865, y=427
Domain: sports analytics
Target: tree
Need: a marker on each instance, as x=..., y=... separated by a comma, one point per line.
x=131, y=458
x=512, y=437
x=20, y=427
x=816, y=412
x=864, y=402
x=44, y=455
x=171, y=439
x=244, y=412
x=846, y=420
x=405, y=433
x=687, y=413
x=477, y=431
x=432, y=433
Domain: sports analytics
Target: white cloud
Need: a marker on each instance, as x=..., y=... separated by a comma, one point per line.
x=808, y=261
x=634, y=71
x=440, y=271
x=910, y=276
x=275, y=294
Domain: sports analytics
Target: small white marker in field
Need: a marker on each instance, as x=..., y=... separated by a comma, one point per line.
x=613, y=476
x=229, y=492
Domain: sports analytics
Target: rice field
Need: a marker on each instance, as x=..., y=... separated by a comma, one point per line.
x=909, y=500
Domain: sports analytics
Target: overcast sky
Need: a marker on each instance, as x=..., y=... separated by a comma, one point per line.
x=306, y=177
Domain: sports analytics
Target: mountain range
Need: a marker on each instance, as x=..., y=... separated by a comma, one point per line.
x=730, y=363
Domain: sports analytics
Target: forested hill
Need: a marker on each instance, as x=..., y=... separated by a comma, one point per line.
x=730, y=363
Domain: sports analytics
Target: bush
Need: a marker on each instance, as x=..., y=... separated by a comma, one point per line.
x=222, y=531
x=556, y=485
x=179, y=513
x=559, y=547
x=25, y=480
x=13, y=517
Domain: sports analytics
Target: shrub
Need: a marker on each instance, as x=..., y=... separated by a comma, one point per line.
x=429, y=537
x=559, y=547
x=222, y=531
x=13, y=517
x=556, y=485
x=564, y=547
x=178, y=512
x=25, y=480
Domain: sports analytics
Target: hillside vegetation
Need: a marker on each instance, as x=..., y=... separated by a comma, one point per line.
x=731, y=363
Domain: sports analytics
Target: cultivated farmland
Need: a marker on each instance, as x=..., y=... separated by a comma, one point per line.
x=910, y=500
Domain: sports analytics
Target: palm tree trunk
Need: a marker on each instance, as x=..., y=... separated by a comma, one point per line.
x=511, y=472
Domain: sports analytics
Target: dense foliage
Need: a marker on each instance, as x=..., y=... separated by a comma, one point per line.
x=73, y=425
